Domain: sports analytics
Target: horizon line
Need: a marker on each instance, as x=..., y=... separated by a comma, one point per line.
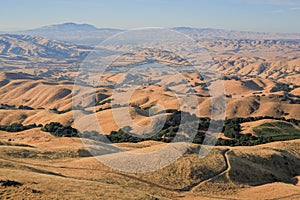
x=16, y=30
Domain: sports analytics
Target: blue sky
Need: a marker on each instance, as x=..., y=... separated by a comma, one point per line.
x=249, y=15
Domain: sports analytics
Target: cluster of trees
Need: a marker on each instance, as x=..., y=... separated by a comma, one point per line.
x=239, y=139
x=124, y=136
x=21, y=107
x=18, y=127
x=59, y=130
x=54, y=128
x=9, y=183
x=169, y=130
x=294, y=101
x=245, y=140
x=7, y=106
x=232, y=130
x=283, y=87
x=166, y=135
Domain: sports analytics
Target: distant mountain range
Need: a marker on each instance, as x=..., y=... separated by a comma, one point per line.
x=273, y=59
x=33, y=48
x=61, y=44
x=71, y=32
x=90, y=35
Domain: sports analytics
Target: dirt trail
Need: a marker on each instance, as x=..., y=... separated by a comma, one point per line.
x=225, y=171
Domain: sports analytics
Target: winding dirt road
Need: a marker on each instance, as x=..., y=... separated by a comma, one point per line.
x=225, y=171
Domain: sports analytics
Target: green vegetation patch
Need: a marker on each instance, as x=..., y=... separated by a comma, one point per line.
x=278, y=131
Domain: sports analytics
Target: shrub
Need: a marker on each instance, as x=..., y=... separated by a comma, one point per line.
x=10, y=183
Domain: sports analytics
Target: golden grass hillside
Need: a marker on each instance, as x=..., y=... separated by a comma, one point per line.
x=56, y=168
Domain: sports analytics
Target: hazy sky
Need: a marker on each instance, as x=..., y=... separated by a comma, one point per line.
x=252, y=15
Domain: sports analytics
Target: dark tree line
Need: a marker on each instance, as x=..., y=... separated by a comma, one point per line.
x=18, y=127
x=59, y=130
x=170, y=131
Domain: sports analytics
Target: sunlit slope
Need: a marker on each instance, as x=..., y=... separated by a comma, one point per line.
x=226, y=172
